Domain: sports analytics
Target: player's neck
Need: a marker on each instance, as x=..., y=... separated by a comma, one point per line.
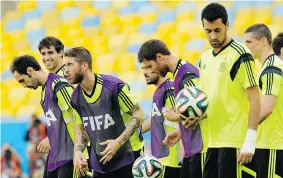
x=160, y=81
x=172, y=63
x=56, y=68
x=216, y=50
x=265, y=54
x=88, y=82
x=42, y=77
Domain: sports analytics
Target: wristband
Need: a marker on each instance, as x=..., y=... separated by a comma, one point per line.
x=250, y=142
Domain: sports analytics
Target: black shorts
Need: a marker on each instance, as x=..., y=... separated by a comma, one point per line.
x=124, y=172
x=170, y=172
x=63, y=171
x=266, y=163
x=222, y=163
x=191, y=167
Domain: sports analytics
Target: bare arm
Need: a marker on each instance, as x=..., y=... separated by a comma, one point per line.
x=82, y=138
x=133, y=124
x=146, y=125
x=254, y=99
x=267, y=106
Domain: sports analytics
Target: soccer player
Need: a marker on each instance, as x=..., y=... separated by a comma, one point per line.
x=101, y=101
x=163, y=97
x=55, y=100
x=227, y=76
x=277, y=45
x=52, y=51
x=155, y=53
x=268, y=158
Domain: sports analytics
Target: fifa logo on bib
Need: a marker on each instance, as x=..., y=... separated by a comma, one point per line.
x=99, y=122
x=49, y=116
x=155, y=111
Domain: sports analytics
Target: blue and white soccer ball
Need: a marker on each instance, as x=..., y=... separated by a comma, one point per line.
x=147, y=167
x=191, y=102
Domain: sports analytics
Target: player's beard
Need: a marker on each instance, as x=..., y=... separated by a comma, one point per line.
x=218, y=44
x=162, y=71
x=78, y=78
x=152, y=80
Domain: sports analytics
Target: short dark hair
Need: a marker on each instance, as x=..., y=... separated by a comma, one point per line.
x=21, y=63
x=214, y=11
x=277, y=44
x=150, y=48
x=81, y=54
x=49, y=41
x=260, y=30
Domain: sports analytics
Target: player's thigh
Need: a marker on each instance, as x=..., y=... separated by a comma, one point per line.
x=191, y=167
x=265, y=160
x=124, y=172
x=279, y=163
x=185, y=170
x=227, y=160
x=51, y=174
x=249, y=170
x=210, y=169
x=66, y=170
x=169, y=172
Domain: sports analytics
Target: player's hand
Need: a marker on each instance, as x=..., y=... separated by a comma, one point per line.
x=80, y=163
x=244, y=158
x=44, y=146
x=191, y=122
x=110, y=150
x=172, y=138
x=170, y=114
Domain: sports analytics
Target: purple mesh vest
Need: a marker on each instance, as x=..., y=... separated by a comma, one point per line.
x=158, y=133
x=103, y=121
x=62, y=146
x=191, y=138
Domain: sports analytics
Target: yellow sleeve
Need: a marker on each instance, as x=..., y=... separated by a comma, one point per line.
x=64, y=95
x=170, y=98
x=271, y=84
x=170, y=102
x=64, y=98
x=126, y=99
x=191, y=79
x=247, y=71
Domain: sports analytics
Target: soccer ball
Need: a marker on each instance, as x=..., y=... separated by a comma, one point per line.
x=191, y=102
x=147, y=167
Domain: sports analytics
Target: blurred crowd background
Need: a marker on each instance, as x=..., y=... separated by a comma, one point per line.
x=112, y=31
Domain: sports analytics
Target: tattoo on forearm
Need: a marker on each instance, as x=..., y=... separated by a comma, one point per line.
x=129, y=131
x=131, y=126
x=81, y=140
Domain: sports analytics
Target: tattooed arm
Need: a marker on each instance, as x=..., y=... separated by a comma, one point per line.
x=135, y=123
x=113, y=145
x=81, y=138
x=80, y=161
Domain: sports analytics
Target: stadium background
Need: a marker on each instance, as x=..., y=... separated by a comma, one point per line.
x=113, y=31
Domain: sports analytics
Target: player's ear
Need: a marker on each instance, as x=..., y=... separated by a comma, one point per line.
x=281, y=51
x=85, y=66
x=159, y=57
x=227, y=25
x=61, y=53
x=264, y=41
x=30, y=71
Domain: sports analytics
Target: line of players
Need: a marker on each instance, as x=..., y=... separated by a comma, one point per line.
x=101, y=115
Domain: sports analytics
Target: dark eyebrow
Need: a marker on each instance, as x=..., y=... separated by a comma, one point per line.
x=21, y=80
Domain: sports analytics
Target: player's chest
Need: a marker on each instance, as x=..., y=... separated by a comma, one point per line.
x=219, y=66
